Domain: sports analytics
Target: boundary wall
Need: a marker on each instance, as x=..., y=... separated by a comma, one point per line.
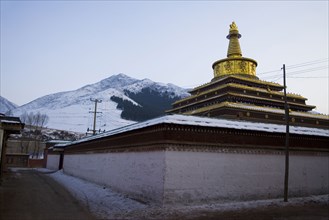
x=53, y=161
x=179, y=159
x=172, y=176
x=137, y=174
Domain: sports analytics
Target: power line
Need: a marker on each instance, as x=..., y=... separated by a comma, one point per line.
x=308, y=63
x=309, y=77
x=290, y=74
x=277, y=79
x=271, y=77
x=308, y=70
x=272, y=71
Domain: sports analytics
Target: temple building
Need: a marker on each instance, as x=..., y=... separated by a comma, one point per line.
x=236, y=92
x=188, y=159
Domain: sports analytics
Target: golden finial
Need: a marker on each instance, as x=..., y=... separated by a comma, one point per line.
x=234, y=49
x=233, y=27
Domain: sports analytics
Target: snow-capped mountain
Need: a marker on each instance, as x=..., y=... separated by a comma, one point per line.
x=72, y=110
x=6, y=105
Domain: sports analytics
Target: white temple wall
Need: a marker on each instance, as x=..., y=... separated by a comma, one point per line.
x=309, y=175
x=137, y=174
x=53, y=161
x=167, y=177
x=208, y=176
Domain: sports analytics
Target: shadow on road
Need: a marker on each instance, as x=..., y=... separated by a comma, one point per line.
x=28, y=194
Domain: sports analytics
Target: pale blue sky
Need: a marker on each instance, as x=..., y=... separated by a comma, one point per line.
x=53, y=46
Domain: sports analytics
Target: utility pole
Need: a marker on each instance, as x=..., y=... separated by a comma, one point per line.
x=286, y=108
x=95, y=112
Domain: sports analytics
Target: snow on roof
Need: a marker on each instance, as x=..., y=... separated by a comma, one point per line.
x=58, y=141
x=10, y=121
x=276, y=110
x=207, y=122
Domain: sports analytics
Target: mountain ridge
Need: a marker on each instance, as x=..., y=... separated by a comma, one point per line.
x=6, y=105
x=70, y=110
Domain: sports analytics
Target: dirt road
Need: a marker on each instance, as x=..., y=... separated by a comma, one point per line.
x=296, y=212
x=28, y=194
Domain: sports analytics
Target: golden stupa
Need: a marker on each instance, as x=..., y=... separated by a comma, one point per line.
x=237, y=93
x=234, y=64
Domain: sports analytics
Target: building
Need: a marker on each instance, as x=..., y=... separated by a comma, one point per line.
x=191, y=159
x=54, y=155
x=18, y=144
x=8, y=126
x=210, y=156
x=236, y=92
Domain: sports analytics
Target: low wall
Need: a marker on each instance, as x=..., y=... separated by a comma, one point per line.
x=138, y=174
x=53, y=161
x=17, y=160
x=225, y=176
x=193, y=176
x=36, y=163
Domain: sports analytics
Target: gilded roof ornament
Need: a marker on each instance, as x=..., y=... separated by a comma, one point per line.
x=233, y=27
x=234, y=49
x=235, y=64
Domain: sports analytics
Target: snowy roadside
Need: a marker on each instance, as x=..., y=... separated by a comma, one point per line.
x=105, y=203
x=100, y=200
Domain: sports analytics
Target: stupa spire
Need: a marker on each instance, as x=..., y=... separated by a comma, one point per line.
x=234, y=64
x=234, y=49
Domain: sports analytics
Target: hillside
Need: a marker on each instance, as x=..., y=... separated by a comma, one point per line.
x=6, y=105
x=121, y=95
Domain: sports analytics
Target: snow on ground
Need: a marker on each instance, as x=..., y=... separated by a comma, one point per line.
x=100, y=200
x=105, y=203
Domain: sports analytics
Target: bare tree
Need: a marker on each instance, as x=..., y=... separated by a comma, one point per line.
x=35, y=122
x=26, y=136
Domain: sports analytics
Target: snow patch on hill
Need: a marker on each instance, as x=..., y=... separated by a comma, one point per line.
x=6, y=105
x=71, y=110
